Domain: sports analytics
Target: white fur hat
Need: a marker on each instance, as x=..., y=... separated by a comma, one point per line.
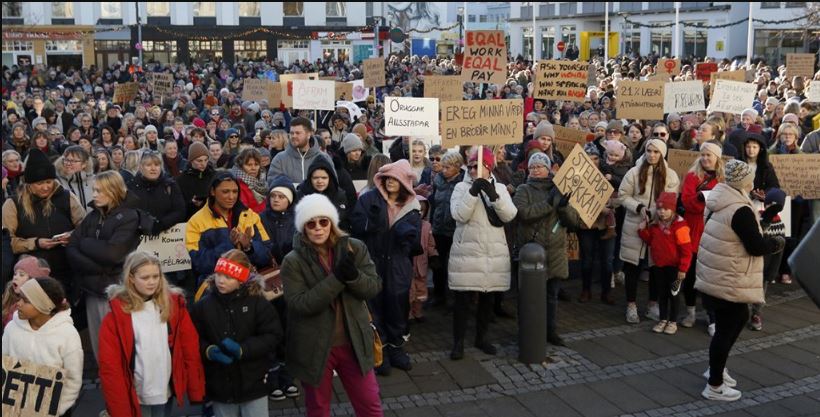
x=314, y=205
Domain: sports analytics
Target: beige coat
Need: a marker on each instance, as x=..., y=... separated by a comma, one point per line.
x=725, y=270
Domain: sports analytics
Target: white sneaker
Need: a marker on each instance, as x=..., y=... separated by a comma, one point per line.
x=689, y=320
x=727, y=379
x=620, y=278
x=653, y=312
x=721, y=393
x=711, y=329
x=632, y=314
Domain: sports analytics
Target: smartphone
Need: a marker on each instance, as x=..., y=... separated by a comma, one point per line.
x=61, y=236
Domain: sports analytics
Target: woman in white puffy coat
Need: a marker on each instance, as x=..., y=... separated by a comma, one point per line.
x=479, y=258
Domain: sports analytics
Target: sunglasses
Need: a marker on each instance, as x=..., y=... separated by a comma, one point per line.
x=323, y=222
x=613, y=131
x=435, y=159
x=233, y=136
x=661, y=134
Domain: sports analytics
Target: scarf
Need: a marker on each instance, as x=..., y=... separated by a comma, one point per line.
x=256, y=185
x=172, y=164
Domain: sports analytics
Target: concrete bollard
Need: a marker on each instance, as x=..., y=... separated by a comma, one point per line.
x=532, y=304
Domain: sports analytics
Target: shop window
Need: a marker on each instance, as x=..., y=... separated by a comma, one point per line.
x=64, y=46
x=336, y=9
x=292, y=44
x=694, y=42
x=249, y=9
x=164, y=52
x=661, y=42
x=62, y=10
x=769, y=4
x=293, y=8
x=110, y=10
x=13, y=46
x=12, y=9
x=790, y=4
x=205, y=51
x=156, y=8
x=204, y=9
x=250, y=50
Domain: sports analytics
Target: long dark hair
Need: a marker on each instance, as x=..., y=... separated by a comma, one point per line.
x=658, y=178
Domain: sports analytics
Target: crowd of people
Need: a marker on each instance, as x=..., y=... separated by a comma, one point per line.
x=319, y=207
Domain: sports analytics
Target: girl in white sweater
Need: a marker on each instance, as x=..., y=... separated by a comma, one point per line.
x=43, y=333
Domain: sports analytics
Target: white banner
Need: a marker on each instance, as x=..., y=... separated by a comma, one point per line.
x=314, y=95
x=169, y=247
x=732, y=96
x=683, y=96
x=411, y=116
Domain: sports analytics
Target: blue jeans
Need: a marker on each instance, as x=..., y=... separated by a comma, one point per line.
x=594, y=249
x=159, y=410
x=252, y=408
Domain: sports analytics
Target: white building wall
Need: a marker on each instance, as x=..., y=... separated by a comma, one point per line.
x=356, y=13
x=272, y=13
x=314, y=13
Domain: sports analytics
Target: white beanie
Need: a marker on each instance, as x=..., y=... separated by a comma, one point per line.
x=314, y=205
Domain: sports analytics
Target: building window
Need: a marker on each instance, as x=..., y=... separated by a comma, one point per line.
x=471, y=18
x=568, y=35
x=769, y=4
x=482, y=18
x=632, y=38
x=250, y=50
x=661, y=5
x=661, y=41
x=156, y=8
x=11, y=46
x=566, y=9
x=790, y=4
x=293, y=8
x=204, y=9
x=112, y=45
x=773, y=45
x=12, y=9
x=526, y=10
x=62, y=10
x=694, y=42
x=336, y=9
x=63, y=46
x=249, y=9
x=293, y=44
x=164, y=52
x=631, y=6
x=205, y=51
x=111, y=10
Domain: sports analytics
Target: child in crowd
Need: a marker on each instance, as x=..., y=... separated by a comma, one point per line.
x=616, y=163
x=671, y=252
x=141, y=373
x=26, y=268
x=238, y=329
x=418, y=289
x=43, y=333
x=772, y=225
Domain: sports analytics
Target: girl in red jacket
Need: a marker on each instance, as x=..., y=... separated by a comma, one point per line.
x=136, y=368
x=670, y=248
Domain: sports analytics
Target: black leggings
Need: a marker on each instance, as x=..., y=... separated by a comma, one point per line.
x=730, y=318
x=689, y=291
x=443, y=245
x=664, y=276
x=461, y=310
x=631, y=273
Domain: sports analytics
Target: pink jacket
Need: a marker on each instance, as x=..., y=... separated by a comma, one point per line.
x=429, y=246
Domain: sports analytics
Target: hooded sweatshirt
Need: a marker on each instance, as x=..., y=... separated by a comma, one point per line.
x=293, y=164
x=333, y=192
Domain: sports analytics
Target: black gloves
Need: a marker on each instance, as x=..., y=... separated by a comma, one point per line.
x=345, y=269
x=564, y=200
x=475, y=189
x=770, y=212
x=489, y=189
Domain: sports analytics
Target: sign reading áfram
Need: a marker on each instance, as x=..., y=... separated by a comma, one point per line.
x=561, y=80
x=410, y=116
x=374, y=74
x=169, y=247
x=444, y=87
x=683, y=96
x=732, y=96
x=287, y=80
x=590, y=189
x=314, y=95
x=485, y=57
x=640, y=100
x=30, y=389
x=481, y=122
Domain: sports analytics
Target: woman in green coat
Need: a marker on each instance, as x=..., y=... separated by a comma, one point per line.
x=328, y=279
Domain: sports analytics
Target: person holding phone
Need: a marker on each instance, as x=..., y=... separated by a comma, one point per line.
x=196, y=179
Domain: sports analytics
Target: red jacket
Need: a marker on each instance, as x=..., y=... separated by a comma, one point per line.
x=694, y=206
x=247, y=198
x=116, y=355
x=669, y=247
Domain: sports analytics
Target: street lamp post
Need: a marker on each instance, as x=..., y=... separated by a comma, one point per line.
x=139, y=32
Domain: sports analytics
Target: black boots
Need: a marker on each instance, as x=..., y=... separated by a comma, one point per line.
x=458, y=350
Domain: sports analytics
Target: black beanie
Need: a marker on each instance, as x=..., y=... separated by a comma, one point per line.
x=38, y=167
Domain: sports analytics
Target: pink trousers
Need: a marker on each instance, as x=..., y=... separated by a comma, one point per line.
x=363, y=390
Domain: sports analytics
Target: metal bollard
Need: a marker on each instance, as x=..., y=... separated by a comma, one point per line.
x=532, y=304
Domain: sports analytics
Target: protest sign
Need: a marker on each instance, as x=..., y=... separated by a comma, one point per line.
x=255, y=89
x=564, y=146
x=274, y=95
x=314, y=95
x=410, y=116
x=169, y=247
x=30, y=389
x=681, y=161
x=485, y=57
x=739, y=76
x=659, y=76
x=639, y=100
x=590, y=189
x=353, y=110
x=573, y=247
x=800, y=65
x=704, y=70
x=344, y=91
x=444, y=87
x=374, y=73
x=571, y=135
x=683, y=96
x=561, y=80
x=813, y=92
x=481, y=122
x=799, y=175
x=732, y=97
x=359, y=185
x=360, y=93
x=162, y=84
x=123, y=93
x=668, y=66
x=286, y=81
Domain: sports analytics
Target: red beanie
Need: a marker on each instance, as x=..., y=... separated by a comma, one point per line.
x=667, y=200
x=199, y=123
x=489, y=158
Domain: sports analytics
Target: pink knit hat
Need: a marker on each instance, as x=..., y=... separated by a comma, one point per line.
x=30, y=265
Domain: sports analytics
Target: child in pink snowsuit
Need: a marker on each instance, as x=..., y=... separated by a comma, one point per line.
x=418, y=289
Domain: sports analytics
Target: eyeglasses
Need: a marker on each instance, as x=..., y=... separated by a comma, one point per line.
x=435, y=158
x=323, y=222
x=613, y=131
x=661, y=134
x=71, y=161
x=233, y=136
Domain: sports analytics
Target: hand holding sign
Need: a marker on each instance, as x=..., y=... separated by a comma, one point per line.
x=582, y=178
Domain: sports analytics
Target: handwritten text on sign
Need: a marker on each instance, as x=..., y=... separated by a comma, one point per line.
x=410, y=116
x=163, y=84
x=314, y=95
x=799, y=175
x=485, y=122
x=286, y=81
x=123, y=93
x=800, y=64
x=444, y=87
x=683, y=96
x=30, y=389
x=255, y=89
x=561, y=80
x=704, y=70
x=590, y=189
x=485, y=57
x=374, y=74
x=169, y=247
x=640, y=100
x=732, y=96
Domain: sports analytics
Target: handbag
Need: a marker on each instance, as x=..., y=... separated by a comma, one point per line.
x=492, y=216
x=378, y=354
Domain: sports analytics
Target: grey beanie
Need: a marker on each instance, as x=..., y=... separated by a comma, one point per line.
x=544, y=129
x=38, y=120
x=150, y=128
x=539, y=158
x=351, y=142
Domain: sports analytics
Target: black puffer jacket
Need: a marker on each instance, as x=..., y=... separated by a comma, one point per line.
x=279, y=225
x=765, y=176
x=161, y=198
x=333, y=192
x=195, y=183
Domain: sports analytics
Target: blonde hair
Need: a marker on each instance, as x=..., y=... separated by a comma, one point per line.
x=25, y=199
x=720, y=172
x=419, y=142
x=452, y=158
x=132, y=300
x=717, y=125
x=112, y=185
x=788, y=126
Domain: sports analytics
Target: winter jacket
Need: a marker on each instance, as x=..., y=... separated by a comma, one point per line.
x=694, y=204
x=632, y=247
x=161, y=198
x=480, y=256
x=279, y=225
x=357, y=171
x=207, y=237
x=619, y=169
x=195, y=183
x=98, y=247
x=440, y=217
x=765, y=176
x=80, y=184
x=725, y=268
x=293, y=164
x=250, y=320
x=811, y=143
x=669, y=245
x=56, y=344
x=310, y=294
x=333, y=192
x=117, y=351
x=541, y=220
x=428, y=245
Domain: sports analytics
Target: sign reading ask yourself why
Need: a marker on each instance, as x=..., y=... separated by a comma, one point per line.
x=481, y=122
x=561, y=80
x=485, y=57
x=410, y=116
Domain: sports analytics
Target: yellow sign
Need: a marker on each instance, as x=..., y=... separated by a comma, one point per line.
x=719, y=46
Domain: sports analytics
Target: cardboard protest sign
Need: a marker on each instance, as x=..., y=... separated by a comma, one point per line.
x=30, y=389
x=374, y=73
x=704, y=70
x=668, y=66
x=800, y=65
x=570, y=135
x=286, y=81
x=314, y=95
x=255, y=89
x=564, y=146
x=813, y=92
x=639, y=100
x=169, y=247
x=410, y=116
x=683, y=96
x=162, y=84
x=344, y=91
x=590, y=189
x=739, y=76
x=482, y=122
x=360, y=93
x=274, y=95
x=573, y=247
x=561, y=80
x=732, y=97
x=659, y=76
x=485, y=57
x=444, y=87
x=681, y=161
x=799, y=175
x=123, y=93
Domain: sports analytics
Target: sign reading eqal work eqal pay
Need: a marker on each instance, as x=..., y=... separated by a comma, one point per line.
x=485, y=57
x=411, y=116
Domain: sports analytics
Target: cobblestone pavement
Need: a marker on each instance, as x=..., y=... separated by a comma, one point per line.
x=608, y=368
